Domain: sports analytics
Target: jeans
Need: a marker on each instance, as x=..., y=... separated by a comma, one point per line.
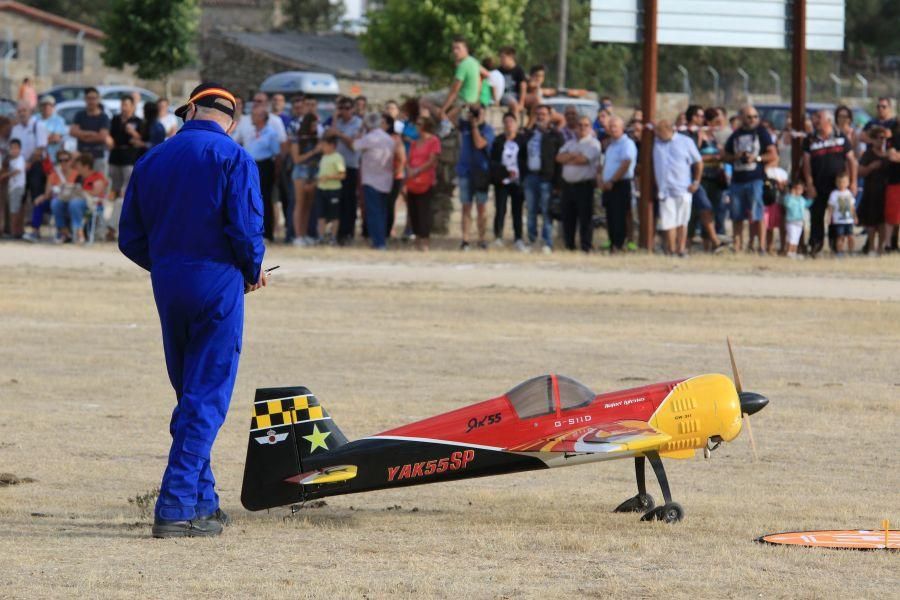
x=617, y=201
x=37, y=215
x=73, y=209
x=375, y=217
x=578, y=212
x=537, y=197
x=714, y=193
x=747, y=200
x=513, y=192
x=468, y=194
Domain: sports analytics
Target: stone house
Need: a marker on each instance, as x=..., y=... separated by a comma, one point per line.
x=49, y=49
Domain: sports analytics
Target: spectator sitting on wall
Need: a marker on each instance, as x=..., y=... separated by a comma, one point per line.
x=515, y=82
x=466, y=86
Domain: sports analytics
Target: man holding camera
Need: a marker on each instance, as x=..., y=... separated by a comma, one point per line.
x=473, y=171
x=749, y=149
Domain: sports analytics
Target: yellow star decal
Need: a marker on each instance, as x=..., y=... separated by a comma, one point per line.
x=317, y=439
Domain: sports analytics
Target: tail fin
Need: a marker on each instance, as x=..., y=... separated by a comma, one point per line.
x=288, y=425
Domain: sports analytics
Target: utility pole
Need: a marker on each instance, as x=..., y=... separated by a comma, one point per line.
x=648, y=105
x=798, y=85
x=563, y=42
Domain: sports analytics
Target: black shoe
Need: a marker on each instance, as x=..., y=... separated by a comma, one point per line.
x=208, y=527
x=219, y=516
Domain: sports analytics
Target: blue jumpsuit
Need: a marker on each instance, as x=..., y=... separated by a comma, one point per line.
x=193, y=217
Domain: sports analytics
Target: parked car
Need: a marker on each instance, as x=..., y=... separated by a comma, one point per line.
x=777, y=114
x=63, y=93
x=7, y=107
x=585, y=105
x=322, y=86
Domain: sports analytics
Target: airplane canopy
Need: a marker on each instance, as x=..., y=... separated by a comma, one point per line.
x=543, y=394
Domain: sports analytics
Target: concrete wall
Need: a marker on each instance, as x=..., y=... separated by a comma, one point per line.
x=246, y=15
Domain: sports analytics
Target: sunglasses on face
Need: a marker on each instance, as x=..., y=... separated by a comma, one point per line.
x=63, y=158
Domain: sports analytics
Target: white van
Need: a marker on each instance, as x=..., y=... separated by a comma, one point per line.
x=322, y=86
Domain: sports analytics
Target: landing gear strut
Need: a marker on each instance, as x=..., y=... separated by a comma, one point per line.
x=670, y=512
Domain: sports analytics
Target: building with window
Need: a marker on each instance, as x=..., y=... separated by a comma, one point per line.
x=51, y=50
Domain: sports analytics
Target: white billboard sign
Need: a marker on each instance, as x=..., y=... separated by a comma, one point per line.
x=734, y=23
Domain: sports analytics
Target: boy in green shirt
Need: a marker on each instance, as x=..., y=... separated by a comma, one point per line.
x=332, y=171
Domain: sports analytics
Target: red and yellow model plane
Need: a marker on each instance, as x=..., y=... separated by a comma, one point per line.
x=296, y=452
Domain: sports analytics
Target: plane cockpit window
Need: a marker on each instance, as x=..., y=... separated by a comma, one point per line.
x=533, y=398
x=573, y=394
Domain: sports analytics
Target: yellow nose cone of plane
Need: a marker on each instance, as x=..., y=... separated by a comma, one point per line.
x=728, y=408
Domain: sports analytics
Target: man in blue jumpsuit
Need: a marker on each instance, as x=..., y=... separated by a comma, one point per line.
x=193, y=217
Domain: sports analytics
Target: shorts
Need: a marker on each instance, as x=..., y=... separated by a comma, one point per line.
x=794, y=231
x=508, y=99
x=467, y=194
x=305, y=172
x=328, y=204
x=892, y=204
x=842, y=229
x=700, y=200
x=119, y=176
x=16, y=195
x=747, y=200
x=674, y=211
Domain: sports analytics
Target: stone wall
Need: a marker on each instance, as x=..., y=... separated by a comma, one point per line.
x=245, y=15
x=32, y=34
x=242, y=70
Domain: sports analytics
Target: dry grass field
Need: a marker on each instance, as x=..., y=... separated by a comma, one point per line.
x=84, y=405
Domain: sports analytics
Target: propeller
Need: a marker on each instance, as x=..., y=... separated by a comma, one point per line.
x=751, y=402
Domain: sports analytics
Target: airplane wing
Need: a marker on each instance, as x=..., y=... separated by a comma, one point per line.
x=614, y=437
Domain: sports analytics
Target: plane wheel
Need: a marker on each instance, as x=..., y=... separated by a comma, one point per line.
x=671, y=512
x=668, y=513
x=639, y=503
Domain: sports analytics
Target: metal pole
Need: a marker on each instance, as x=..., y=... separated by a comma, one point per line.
x=79, y=56
x=774, y=74
x=648, y=105
x=563, y=43
x=746, y=77
x=715, y=76
x=837, y=87
x=799, y=82
x=865, y=85
x=685, y=80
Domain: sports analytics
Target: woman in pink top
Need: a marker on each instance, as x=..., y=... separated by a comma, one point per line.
x=420, y=180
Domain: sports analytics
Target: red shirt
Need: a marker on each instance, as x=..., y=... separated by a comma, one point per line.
x=88, y=183
x=420, y=151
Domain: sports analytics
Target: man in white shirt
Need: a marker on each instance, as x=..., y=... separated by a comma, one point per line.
x=579, y=159
x=32, y=134
x=167, y=119
x=245, y=130
x=678, y=167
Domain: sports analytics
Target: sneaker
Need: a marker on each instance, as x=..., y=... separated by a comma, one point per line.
x=178, y=529
x=522, y=247
x=30, y=237
x=547, y=250
x=631, y=247
x=464, y=247
x=498, y=243
x=299, y=242
x=720, y=248
x=605, y=245
x=482, y=245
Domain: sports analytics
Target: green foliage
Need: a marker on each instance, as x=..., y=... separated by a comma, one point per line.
x=83, y=11
x=416, y=35
x=313, y=15
x=156, y=37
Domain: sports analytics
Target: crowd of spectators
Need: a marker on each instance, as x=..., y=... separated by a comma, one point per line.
x=82, y=191
x=539, y=166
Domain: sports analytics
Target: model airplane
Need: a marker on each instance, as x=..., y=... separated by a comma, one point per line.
x=297, y=453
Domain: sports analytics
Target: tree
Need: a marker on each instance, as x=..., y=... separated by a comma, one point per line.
x=83, y=11
x=156, y=37
x=313, y=15
x=417, y=35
